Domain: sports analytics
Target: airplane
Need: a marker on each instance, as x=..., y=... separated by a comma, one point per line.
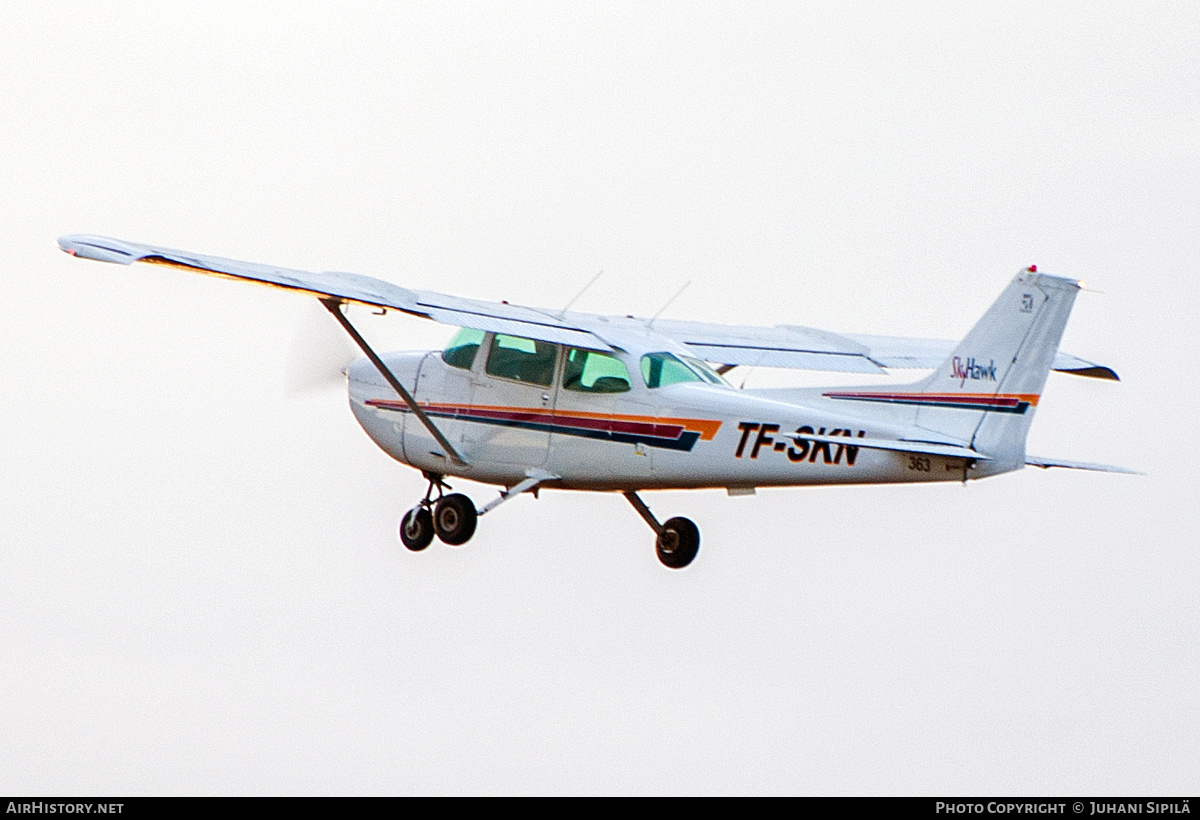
x=529, y=399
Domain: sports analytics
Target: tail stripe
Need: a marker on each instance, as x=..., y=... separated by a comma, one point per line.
x=995, y=402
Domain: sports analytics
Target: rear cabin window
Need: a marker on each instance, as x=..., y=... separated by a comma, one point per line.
x=590, y=371
x=523, y=360
x=462, y=348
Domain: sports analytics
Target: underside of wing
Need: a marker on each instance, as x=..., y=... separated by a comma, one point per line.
x=785, y=346
x=348, y=287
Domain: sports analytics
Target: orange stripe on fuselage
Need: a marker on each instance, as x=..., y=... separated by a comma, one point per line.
x=1031, y=398
x=707, y=428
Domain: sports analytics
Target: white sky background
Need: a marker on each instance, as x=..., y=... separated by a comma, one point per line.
x=201, y=588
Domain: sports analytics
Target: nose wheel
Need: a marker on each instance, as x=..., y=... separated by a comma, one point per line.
x=677, y=542
x=452, y=518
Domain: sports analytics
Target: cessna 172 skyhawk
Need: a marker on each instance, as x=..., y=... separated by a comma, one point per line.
x=527, y=399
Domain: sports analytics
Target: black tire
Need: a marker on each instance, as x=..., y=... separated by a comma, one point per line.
x=454, y=519
x=678, y=543
x=416, y=529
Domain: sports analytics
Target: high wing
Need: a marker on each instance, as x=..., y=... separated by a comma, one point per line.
x=785, y=346
x=498, y=317
x=807, y=348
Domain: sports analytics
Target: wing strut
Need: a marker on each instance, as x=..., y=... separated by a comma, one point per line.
x=334, y=306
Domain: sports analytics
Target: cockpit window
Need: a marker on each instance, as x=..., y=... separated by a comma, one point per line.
x=462, y=348
x=525, y=360
x=705, y=370
x=661, y=369
x=590, y=371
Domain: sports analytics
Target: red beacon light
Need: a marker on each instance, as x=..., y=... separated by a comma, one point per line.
x=1033, y=268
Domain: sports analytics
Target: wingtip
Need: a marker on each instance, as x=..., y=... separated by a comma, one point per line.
x=99, y=248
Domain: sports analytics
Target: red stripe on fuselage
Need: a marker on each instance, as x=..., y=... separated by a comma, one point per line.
x=630, y=425
x=966, y=400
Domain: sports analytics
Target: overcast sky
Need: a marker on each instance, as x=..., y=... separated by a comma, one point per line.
x=201, y=587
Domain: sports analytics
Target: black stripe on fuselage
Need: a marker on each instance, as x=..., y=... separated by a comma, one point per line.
x=684, y=442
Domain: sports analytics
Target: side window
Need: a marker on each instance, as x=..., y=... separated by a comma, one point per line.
x=661, y=369
x=524, y=360
x=589, y=371
x=462, y=348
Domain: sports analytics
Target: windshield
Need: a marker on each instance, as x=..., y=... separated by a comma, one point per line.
x=661, y=369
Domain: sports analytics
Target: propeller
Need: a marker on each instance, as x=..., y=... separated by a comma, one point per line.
x=319, y=353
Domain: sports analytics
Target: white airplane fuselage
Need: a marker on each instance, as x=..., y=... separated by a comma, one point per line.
x=687, y=435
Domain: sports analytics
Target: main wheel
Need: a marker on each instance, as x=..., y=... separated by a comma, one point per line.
x=416, y=529
x=454, y=519
x=678, y=543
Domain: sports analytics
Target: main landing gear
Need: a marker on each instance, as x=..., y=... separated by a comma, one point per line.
x=676, y=542
x=451, y=518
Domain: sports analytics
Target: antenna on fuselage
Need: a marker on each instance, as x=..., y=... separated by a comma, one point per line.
x=562, y=313
x=678, y=293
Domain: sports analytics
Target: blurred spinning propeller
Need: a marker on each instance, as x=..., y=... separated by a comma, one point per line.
x=319, y=352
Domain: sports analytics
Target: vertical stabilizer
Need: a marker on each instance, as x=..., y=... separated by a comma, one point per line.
x=987, y=390
x=985, y=393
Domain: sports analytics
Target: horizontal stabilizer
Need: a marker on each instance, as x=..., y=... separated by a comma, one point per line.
x=1046, y=463
x=925, y=448
x=1092, y=371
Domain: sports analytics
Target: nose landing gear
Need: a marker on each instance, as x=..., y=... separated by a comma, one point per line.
x=676, y=542
x=451, y=518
